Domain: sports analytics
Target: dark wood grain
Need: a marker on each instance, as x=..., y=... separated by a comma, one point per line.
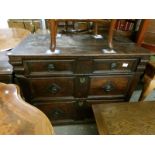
x=107, y=85
x=75, y=45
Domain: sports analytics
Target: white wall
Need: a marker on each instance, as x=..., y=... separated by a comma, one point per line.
x=3, y=23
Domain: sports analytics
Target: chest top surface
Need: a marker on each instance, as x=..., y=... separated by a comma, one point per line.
x=75, y=45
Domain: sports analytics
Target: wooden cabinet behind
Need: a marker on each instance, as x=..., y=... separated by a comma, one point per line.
x=30, y=24
x=65, y=86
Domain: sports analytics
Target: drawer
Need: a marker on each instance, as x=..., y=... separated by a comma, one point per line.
x=58, y=110
x=49, y=66
x=114, y=65
x=5, y=78
x=83, y=65
x=52, y=87
x=109, y=86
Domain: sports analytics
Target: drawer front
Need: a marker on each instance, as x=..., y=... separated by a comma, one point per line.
x=58, y=110
x=5, y=78
x=49, y=66
x=114, y=65
x=109, y=86
x=52, y=87
x=83, y=65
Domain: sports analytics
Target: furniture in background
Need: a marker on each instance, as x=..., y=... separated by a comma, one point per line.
x=80, y=25
x=31, y=25
x=9, y=38
x=53, y=26
x=149, y=80
x=146, y=34
x=125, y=118
x=19, y=117
x=65, y=85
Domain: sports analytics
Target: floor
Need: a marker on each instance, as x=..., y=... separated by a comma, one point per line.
x=91, y=129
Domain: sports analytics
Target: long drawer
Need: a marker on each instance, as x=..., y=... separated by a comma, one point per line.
x=68, y=111
x=59, y=110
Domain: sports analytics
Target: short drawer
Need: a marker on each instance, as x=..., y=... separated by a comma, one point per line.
x=114, y=65
x=52, y=87
x=58, y=110
x=109, y=86
x=49, y=66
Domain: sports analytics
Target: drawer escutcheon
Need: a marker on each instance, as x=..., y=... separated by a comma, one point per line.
x=108, y=87
x=54, y=88
x=82, y=79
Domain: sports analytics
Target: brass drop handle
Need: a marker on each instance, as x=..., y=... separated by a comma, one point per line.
x=108, y=87
x=57, y=112
x=113, y=65
x=80, y=103
x=51, y=67
x=54, y=88
x=82, y=80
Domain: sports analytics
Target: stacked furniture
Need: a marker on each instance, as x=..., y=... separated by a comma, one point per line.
x=9, y=38
x=65, y=85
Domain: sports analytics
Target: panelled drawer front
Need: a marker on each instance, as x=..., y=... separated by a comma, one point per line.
x=58, y=110
x=109, y=86
x=49, y=66
x=52, y=87
x=114, y=65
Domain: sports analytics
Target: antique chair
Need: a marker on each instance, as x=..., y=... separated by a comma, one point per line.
x=18, y=117
x=149, y=80
x=53, y=25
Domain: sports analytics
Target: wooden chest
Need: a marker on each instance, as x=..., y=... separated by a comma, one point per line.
x=65, y=85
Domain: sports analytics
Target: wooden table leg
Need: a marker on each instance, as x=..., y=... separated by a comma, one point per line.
x=111, y=31
x=142, y=29
x=53, y=32
x=110, y=38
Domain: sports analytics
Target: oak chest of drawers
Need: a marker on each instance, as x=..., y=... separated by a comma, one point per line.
x=65, y=85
